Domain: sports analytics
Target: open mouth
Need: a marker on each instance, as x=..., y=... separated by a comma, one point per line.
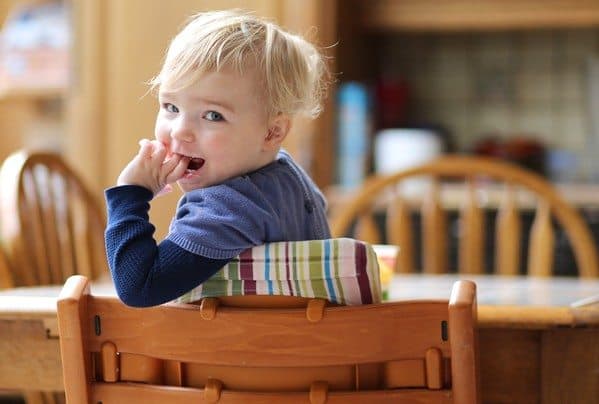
x=195, y=164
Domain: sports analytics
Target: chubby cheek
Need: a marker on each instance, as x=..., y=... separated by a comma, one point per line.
x=217, y=145
x=161, y=132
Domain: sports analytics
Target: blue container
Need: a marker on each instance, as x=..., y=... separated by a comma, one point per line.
x=353, y=134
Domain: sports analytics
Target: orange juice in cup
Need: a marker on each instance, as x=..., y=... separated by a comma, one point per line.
x=386, y=256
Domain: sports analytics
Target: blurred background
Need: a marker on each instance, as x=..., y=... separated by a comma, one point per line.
x=414, y=79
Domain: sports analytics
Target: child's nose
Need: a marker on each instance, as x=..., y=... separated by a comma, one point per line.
x=182, y=131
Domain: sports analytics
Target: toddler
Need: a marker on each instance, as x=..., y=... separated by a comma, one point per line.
x=228, y=90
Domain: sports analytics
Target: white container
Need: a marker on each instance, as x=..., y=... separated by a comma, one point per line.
x=400, y=149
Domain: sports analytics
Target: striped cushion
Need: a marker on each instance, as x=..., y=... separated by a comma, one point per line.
x=343, y=271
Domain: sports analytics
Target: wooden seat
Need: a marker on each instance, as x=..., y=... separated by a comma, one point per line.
x=385, y=194
x=420, y=351
x=50, y=225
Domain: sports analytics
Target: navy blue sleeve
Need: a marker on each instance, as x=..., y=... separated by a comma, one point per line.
x=146, y=273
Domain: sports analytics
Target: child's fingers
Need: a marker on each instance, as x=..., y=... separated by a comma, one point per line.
x=145, y=148
x=159, y=151
x=178, y=170
x=171, y=162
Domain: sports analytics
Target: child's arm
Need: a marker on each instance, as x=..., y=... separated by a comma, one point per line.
x=144, y=273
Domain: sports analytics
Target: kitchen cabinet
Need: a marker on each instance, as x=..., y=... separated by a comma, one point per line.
x=481, y=69
x=479, y=15
x=360, y=18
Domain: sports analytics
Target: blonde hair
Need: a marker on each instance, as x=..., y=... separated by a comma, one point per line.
x=291, y=70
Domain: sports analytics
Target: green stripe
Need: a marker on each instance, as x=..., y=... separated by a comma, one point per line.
x=295, y=268
x=232, y=270
x=315, y=251
x=236, y=287
x=213, y=287
x=276, y=267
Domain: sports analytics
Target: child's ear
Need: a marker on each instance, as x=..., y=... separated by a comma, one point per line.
x=277, y=132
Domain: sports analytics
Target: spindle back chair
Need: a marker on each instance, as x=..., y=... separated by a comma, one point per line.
x=50, y=224
x=384, y=193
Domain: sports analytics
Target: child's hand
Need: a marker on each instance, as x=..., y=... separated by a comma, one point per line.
x=151, y=168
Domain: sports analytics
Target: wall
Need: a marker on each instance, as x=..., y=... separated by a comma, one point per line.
x=505, y=83
x=29, y=117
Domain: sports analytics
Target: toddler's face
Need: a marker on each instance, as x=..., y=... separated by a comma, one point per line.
x=219, y=122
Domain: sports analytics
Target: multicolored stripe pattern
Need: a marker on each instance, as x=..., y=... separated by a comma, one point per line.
x=342, y=270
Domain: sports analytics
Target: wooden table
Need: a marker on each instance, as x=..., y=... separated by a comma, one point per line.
x=538, y=337
x=539, y=341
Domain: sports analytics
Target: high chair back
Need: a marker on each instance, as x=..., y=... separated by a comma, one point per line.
x=420, y=351
x=50, y=225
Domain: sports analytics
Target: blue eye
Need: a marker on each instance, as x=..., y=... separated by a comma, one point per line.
x=170, y=107
x=214, y=116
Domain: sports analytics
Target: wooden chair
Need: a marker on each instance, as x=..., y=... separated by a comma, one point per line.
x=50, y=225
x=419, y=351
x=385, y=194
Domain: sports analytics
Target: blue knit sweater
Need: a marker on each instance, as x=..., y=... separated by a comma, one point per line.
x=212, y=225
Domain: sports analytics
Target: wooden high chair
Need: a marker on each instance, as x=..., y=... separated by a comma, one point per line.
x=420, y=351
x=383, y=194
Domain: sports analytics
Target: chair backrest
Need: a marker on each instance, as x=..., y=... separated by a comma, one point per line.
x=424, y=351
x=50, y=225
x=5, y=273
x=385, y=194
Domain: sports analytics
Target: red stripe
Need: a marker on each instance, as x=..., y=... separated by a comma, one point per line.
x=246, y=273
x=249, y=287
x=362, y=275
